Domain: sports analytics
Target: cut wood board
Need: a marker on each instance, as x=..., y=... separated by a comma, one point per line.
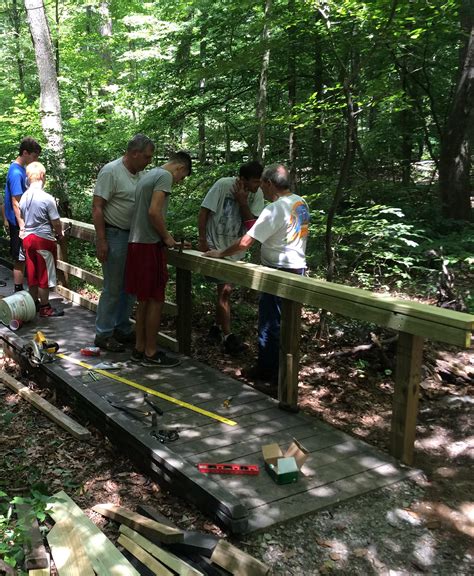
x=44, y=406
x=141, y=524
x=170, y=560
x=144, y=557
x=237, y=561
x=103, y=555
x=69, y=555
x=35, y=553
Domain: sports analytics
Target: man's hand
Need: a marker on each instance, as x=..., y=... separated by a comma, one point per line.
x=102, y=249
x=213, y=254
x=170, y=242
x=203, y=246
x=240, y=194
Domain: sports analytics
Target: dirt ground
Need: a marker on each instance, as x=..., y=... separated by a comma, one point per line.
x=420, y=526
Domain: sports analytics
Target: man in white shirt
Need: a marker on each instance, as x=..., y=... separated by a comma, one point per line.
x=228, y=210
x=112, y=210
x=282, y=229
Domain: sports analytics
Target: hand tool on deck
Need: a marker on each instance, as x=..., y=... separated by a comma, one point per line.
x=40, y=350
x=236, y=469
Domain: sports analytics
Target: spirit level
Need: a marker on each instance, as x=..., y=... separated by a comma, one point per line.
x=249, y=469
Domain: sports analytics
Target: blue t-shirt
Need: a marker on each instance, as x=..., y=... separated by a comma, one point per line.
x=15, y=186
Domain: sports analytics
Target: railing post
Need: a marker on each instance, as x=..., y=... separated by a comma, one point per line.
x=185, y=310
x=63, y=277
x=290, y=331
x=405, y=398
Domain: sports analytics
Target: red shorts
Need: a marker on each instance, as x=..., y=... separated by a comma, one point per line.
x=146, y=273
x=40, y=257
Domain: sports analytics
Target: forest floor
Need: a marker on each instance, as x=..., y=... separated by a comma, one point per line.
x=425, y=525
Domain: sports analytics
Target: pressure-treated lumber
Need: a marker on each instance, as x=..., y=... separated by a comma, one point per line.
x=139, y=523
x=406, y=394
x=170, y=560
x=39, y=572
x=44, y=406
x=184, y=302
x=106, y=560
x=237, y=561
x=290, y=333
x=144, y=557
x=35, y=552
x=67, y=549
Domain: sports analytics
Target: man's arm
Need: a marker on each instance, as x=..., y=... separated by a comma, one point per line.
x=240, y=245
x=242, y=198
x=17, y=211
x=203, y=217
x=102, y=248
x=155, y=213
x=58, y=229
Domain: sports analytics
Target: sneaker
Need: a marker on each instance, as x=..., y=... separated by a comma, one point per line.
x=136, y=356
x=48, y=311
x=160, y=359
x=125, y=338
x=109, y=343
x=232, y=345
x=215, y=334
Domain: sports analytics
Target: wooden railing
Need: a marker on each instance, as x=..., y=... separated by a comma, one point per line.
x=413, y=321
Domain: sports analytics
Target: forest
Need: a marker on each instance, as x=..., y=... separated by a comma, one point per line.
x=370, y=104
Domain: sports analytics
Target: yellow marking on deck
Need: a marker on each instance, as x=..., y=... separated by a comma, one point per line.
x=108, y=374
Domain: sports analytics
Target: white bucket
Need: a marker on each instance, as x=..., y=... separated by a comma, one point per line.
x=18, y=306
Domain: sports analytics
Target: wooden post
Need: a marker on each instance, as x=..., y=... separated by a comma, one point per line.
x=63, y=277
x=185, y=309
x=405, y=398
x=289, y=355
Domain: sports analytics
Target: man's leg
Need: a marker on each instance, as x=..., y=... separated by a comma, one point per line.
x=152, y=325
x=140, y=326
x=18, y=273
x=269, y=316
x=18, y=257
x=111, y=303
x=223, y=307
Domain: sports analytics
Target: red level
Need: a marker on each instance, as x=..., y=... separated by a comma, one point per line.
x=250, y=469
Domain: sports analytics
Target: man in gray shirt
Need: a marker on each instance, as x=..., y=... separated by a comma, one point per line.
x=112, y=209
x=146, y=271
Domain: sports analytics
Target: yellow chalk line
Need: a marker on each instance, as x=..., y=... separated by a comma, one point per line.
x=108, y=374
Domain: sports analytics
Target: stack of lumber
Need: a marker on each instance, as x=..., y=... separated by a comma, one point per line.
x=147, y=544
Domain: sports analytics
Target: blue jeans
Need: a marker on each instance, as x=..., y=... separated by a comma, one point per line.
x=269, y=318
x=115, y=305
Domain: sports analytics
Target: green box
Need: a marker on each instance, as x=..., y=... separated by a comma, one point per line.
x=284, y=468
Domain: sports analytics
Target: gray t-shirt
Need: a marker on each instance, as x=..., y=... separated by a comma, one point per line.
x=282, y=228
x=141, y=229
x=38, y=209
x=117, y=185
x=224, y=225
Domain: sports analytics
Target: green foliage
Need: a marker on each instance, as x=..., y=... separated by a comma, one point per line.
x=12, y=530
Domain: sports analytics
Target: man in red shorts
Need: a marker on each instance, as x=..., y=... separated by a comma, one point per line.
x=39, y=227
x=146, y=272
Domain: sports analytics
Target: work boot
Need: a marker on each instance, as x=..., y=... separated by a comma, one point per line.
x=109, y=343
x=233, y=346
x=124, y=338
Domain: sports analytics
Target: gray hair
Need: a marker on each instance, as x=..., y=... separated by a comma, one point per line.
x=278, y=175
x=139, y=143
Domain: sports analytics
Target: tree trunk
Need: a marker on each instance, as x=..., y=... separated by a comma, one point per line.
x=15, y=19
x=317, y=142
x=292, y=95
x=262, y=92
x=201, y=116
x=50, y=106
x=454, y=161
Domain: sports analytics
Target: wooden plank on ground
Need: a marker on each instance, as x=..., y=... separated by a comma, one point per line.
x=139, y=523
x=44, y=406
x=35, y=552
x=143, y=556
x=406, y=394
x=237, y=561
x=67, y=549
x=40, y=572
x=106, y=560
x=170, y=560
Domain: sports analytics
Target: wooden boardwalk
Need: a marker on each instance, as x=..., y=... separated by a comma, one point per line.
x=338, y=466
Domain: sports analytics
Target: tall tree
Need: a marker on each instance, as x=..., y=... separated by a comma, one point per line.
x=262, y=92
x=50, y=106
x=456, y=140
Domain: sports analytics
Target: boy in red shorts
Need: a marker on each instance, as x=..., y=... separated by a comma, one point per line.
x=146, y=272
x=39, y=228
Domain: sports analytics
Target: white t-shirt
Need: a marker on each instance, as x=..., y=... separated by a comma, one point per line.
x=37, y=209
x=224, y=225
x=142, y=230
x=282, y=229
x=116, y=185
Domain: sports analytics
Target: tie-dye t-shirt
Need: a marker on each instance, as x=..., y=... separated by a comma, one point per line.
x=282, y=229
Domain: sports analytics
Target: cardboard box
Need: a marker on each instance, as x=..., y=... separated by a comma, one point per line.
x=284, y=468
